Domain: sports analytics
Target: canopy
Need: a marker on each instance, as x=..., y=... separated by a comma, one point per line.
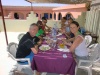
x=60, y=1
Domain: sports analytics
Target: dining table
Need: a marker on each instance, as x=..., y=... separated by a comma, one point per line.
x=54, y=61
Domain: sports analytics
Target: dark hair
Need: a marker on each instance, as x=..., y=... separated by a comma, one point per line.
x=39, y=22
x=33, y=24
x=76, y=23
x=64, y=18
x=70, y=19
x=44, y=18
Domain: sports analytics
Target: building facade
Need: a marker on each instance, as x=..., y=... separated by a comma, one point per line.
x=21, y=12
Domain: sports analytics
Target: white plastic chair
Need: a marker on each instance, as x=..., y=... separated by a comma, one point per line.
x=91, y=48
x=20, y=36
x=88, y=40
x=87, y=64
x=12, y=48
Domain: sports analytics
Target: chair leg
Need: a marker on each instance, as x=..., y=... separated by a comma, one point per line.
x=19, y=67
x=89, y=71
x=34, y=72
x=38, y=73
x=43, y=73
x=76, y=69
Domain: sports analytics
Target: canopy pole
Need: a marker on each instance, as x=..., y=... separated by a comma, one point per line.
x=3, y=22
x=31, y=7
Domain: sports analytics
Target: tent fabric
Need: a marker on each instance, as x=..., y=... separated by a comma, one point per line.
x=59, y=1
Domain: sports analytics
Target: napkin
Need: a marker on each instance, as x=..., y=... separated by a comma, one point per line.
x=59, y=34
x=64, y=56
x=64, y=49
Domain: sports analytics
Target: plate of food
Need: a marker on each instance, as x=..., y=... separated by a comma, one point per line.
x=44, y=47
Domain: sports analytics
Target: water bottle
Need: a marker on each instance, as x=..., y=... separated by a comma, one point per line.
x=55, y=33
x=52, y=32
x=55, y=26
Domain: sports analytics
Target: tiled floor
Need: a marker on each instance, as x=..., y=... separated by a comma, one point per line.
x=6, y=63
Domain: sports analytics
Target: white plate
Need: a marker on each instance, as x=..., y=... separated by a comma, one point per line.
x=63, y=50
x=59, y=34
x=61, y=38
x=44, y=47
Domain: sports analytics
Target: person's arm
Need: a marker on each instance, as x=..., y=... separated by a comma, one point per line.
x=48, y=28
x=71, y=39
x=30, y=45
x=76, y=42
x=66, y=43
x=40, y=37
x=63, y=31
x=73, y=45
x=39, y=42
x=67, y=35
x=35, y=49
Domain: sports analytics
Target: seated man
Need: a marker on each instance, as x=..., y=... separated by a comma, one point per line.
x=28, y=45
x=41, y=32
x=44, y=26
x=63, y=22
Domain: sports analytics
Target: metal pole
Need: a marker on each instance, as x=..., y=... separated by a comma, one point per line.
x=3, y=22
x=31, y=4
x=31, y=7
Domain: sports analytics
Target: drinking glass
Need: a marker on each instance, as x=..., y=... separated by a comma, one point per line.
x=54, y=44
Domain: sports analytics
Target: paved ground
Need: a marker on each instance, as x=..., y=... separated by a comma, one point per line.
x=6, y=63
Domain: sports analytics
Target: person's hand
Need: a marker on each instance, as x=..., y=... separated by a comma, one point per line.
x=39, y=43
x=63, y=31
x=46, y=32
x=36, y=47
x=49, y=29
x=40, y=37
x=64, y=41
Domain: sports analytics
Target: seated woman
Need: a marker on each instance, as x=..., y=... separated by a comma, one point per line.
x=78, y=45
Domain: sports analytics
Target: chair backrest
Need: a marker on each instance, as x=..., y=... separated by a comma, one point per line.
x=92, y=46
x=98, y=48
x=12, y=48
x=95, y=54
x=88, y=40
x=20, y=36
